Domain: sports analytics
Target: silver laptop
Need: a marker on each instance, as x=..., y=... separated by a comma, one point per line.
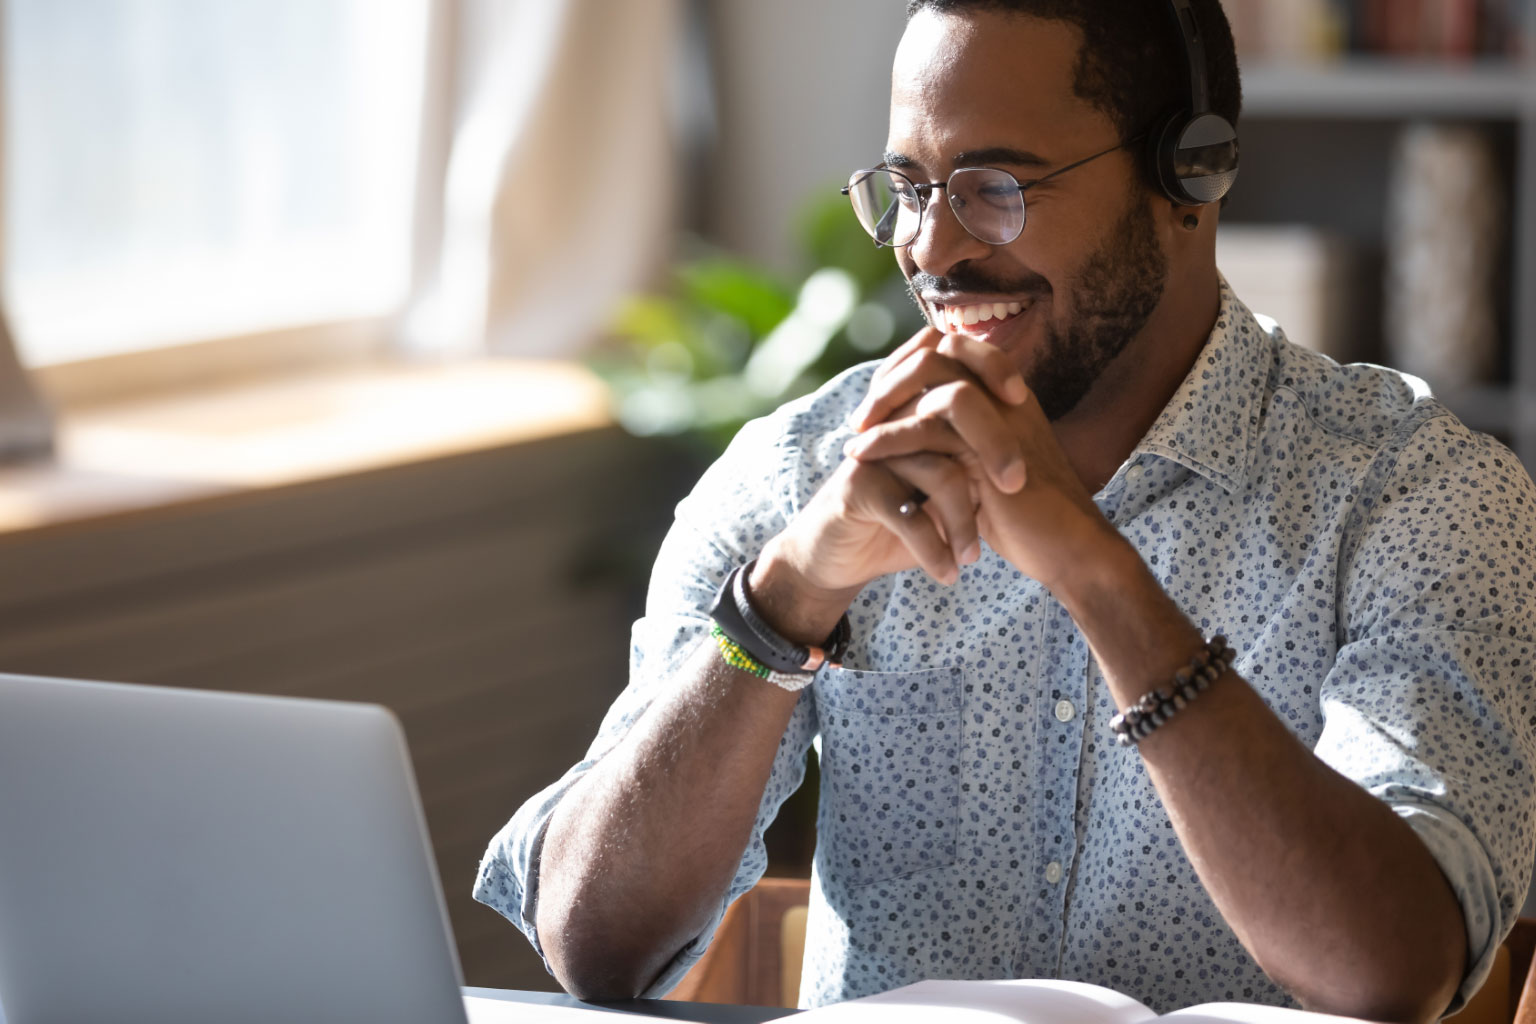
x=177, y=855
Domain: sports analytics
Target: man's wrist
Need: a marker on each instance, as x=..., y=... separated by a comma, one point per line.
x=795, y=609
x=1138, y=634
x=1096, y=559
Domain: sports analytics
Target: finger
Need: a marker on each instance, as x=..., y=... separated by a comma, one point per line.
x=950, y=503
x=982, y=427
x=955, y=420
x=909, y=435
x=928, y=337
x=924, y=369
x=880, y=492
x=990, y=365
x=925, y=340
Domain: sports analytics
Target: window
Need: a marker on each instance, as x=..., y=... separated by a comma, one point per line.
x=179, y=170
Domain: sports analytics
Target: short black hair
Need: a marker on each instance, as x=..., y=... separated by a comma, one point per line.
x=1132, y=61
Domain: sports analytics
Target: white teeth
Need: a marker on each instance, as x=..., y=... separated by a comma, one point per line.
x=956, y=317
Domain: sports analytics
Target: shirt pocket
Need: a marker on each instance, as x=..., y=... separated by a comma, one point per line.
x=890, y=772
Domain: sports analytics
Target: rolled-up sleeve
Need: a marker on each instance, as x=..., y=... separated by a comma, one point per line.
x=1429, y=702
x=743, y=500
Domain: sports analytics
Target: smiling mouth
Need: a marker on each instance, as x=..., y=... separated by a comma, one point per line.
x=975, y=318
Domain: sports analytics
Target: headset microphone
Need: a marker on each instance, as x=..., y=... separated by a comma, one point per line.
x=1194, y=151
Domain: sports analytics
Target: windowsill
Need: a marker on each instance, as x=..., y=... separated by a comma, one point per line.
x=159, y=452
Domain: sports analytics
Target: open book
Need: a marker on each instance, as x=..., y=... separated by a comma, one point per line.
x=1037, y=1002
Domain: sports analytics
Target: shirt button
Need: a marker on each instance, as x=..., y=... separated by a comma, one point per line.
x=1064, y=711
x=1135, y=472
x=1053, y=872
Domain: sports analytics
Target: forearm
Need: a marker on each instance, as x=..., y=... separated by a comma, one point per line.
x=638, y=854
x=1332, y=893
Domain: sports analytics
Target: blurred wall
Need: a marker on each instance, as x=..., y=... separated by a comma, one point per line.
x=485, y=598
x=803, y=96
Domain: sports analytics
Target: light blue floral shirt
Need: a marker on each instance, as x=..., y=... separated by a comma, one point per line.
x=1368, y=556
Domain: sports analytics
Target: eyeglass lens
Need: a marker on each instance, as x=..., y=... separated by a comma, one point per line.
x=987, y=202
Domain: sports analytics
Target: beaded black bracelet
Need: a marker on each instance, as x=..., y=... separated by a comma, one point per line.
x=1137, y=722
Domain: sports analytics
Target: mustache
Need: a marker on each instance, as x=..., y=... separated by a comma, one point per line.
x=966, y=279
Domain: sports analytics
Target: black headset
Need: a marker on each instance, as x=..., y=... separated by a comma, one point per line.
x=1193, y=151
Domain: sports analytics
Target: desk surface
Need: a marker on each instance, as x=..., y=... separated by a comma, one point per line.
x=707, y=1013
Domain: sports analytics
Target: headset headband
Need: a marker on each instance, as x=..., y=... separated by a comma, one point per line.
x=1193, y=154
x=1194, y=57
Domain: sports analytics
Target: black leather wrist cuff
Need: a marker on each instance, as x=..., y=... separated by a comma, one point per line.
x=737, y=618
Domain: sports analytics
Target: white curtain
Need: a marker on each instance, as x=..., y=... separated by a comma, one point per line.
x=560, y=191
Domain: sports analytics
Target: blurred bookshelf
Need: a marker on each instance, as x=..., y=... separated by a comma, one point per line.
x=1371, y=86
x=1329, y=88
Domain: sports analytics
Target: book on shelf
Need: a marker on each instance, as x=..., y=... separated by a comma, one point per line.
x=1039, y=1002
x=1310, y=30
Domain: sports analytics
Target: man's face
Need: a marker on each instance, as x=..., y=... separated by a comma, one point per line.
x=995, y=89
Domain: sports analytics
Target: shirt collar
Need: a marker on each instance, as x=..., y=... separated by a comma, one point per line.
x=1211, y=423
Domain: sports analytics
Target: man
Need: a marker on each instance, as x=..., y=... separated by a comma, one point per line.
x=1340, y=819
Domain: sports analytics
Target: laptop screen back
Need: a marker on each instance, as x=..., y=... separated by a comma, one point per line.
x=178, y=855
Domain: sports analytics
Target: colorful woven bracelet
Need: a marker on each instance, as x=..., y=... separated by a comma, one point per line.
x=737, y=657
x=1138, y=721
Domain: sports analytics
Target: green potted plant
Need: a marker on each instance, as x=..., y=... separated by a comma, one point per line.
x=730, y=341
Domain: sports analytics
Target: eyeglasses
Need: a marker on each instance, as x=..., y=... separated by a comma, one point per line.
x=988, y=203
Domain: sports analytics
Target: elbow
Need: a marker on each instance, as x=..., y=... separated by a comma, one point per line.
x=596, y=964
x=602, y=975
x=1385, y=1008
x=1393, y=994
x=604, y=943
x=595, y=983
x=1427, y=1002
x=1399, y=961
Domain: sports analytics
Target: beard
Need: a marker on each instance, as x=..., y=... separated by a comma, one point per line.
x=1111, y=298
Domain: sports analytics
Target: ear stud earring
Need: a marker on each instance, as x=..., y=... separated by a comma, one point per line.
x=1191, y=222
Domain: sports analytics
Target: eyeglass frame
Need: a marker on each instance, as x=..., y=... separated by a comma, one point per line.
x=925, y=191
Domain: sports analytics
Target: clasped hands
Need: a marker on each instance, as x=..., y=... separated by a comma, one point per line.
x=949, y=416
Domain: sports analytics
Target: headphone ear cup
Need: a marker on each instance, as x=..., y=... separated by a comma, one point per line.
x=1163, y=144
x=1194, y=160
